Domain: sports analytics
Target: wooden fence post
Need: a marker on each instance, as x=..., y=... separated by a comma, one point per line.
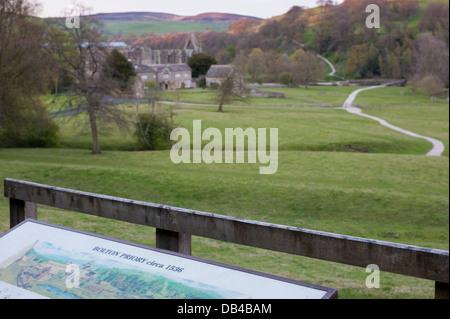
x=20, y=210
x=175, y=226
x=441, y=290
x=173, y=241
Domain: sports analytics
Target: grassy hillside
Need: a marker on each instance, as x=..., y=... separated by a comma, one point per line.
x=158, y=27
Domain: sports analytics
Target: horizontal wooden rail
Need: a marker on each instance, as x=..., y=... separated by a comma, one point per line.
x=176, y=225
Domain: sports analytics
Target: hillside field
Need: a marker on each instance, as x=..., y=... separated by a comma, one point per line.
x=382, y=187
x=159, y=27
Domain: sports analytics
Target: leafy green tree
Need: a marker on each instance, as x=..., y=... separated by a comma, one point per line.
x=357, y=60
x=24, y=70
x=119, y=68
x=155, y=135
x=200, y=64
x=231, y=51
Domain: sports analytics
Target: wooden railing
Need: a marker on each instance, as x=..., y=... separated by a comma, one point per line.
x=175, y=226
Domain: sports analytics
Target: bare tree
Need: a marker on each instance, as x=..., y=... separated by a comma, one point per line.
x=231, y=88
x=82, y=53
x=435, y=18
x=431, y=58
x=152, y=94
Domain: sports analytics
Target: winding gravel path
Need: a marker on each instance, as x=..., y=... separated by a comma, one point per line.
x=333, y=69
x=438, y=146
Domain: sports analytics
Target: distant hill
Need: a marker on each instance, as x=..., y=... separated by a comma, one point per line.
x=141, y=23
x=211, y=17
x=214, y=17
x=135, y=16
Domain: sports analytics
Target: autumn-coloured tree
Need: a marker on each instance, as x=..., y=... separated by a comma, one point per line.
x=322, y=29
x=431, y=86
x=357, y=59
x=405, y=9
x=242, y=25
x=306, y=67
x=256, y=65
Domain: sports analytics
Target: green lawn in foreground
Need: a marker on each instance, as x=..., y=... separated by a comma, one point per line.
x=400, y=198
x=394, y=193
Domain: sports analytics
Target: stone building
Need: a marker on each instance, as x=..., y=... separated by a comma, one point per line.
x=217, y=73
x=168, y=76
x=166, y=67
x=148, y=56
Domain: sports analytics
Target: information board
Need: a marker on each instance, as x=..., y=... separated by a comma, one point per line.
x=40, y=260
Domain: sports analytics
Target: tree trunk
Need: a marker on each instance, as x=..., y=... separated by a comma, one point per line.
x=95, y=143
x=221, y=102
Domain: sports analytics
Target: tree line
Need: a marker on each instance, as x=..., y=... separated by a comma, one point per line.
x=37, y=58
x=412, y=34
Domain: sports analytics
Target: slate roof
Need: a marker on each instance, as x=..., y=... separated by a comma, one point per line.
x=179, y=67
x=218, y=71
x=158, y=68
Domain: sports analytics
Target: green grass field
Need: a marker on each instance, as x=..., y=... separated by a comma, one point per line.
x=416, y=113
x=393, y=193
x=142, y=27
x=315, y=96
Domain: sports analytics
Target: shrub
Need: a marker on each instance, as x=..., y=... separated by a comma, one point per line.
x=29, y=126
x=287, y=78
x=431, y=86
x=153, y=131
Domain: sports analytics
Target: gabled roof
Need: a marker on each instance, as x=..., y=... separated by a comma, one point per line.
x=218, y=71
x=179, y=67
